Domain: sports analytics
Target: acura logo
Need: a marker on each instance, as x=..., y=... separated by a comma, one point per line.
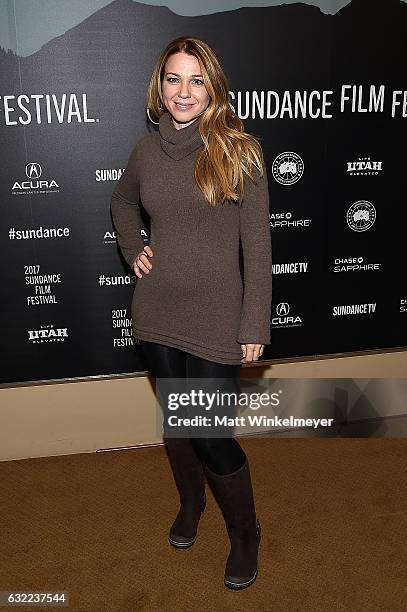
x=33, y=170
x=283, y=309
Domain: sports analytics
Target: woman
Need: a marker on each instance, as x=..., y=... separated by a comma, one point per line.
x=203, y=182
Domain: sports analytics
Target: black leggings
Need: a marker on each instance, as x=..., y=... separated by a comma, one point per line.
x=221, y=455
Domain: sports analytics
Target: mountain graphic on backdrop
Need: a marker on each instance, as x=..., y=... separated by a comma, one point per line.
x=121, y=42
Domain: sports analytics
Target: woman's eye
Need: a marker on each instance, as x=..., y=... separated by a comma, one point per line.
x=172, y=79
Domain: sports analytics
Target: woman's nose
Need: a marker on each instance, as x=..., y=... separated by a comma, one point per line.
x=184, y=88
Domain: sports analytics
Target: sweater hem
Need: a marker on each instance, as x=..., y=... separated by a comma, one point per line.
x=216, y=355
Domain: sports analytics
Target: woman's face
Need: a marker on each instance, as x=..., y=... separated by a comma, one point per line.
x=183, y=83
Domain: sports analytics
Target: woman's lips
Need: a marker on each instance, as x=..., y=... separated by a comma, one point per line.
x=183, y=106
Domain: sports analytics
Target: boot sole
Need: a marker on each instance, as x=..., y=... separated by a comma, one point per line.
x=237, y=586
x=181, y=545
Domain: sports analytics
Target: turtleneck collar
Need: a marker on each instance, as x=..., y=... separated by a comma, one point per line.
x=178, y=143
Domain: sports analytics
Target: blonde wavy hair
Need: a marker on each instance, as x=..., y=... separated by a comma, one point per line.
x=229, y=152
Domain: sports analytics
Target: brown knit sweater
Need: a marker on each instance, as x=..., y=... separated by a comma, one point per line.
x=193, y=298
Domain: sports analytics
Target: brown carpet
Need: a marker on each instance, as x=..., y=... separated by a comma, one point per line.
x=333, y=513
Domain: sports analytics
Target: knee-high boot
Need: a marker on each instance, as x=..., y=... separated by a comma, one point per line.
x=234, y=494
x=190, y=480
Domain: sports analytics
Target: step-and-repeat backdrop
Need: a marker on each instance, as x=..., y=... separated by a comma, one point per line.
x=324, y=86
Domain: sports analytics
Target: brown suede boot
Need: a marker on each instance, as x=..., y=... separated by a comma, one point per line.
x=234, y=494
x=190, y=480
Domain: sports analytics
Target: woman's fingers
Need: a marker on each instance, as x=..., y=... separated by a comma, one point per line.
x=145, y=259
x=142, y=262
x=251, y=352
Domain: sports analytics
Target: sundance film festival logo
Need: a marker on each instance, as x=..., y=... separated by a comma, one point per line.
x=47, y=333
x=363, y=167
x=361, y=215
x=284, y=317
x=287, y=168
x=35, y=184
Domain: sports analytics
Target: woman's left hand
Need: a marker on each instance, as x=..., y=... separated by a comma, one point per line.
x=251, y=352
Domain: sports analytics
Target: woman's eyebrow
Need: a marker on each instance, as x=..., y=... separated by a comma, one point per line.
x=192, y=75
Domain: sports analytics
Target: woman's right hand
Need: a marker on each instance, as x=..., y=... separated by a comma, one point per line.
x=142, y=262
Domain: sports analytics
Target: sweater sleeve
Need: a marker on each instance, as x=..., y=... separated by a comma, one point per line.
x=257, y=255
x=125, y=210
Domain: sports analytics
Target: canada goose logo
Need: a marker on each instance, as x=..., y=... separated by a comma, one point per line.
x=287, y=168
x=361, y=215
